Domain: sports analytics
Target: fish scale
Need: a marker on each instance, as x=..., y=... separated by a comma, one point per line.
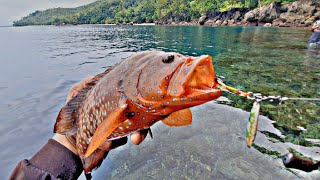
x=133, y=95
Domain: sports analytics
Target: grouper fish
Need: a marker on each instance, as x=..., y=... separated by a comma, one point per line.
x=133, y=95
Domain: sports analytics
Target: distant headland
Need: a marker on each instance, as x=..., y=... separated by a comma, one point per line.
x=279, y=13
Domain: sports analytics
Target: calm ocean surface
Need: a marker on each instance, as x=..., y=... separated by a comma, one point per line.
x=39, y=64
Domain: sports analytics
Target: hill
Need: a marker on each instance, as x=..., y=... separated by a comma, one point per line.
x=138, y=11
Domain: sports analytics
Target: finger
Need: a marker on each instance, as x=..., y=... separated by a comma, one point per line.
x=137, y=137
x=106, y=145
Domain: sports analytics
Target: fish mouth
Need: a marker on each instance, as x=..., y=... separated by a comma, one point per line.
x=202, y=78
x=197, y=75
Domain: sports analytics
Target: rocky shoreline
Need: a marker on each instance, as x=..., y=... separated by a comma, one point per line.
x=296, y=14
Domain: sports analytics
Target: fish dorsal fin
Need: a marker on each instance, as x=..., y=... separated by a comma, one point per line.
x=68, y=115
x=179, y=118
x=106, y=128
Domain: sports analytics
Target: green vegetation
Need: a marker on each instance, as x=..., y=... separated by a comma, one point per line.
x=138, y=11
x=263, y=150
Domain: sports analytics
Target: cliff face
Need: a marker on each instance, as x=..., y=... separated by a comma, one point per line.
x=297, y=14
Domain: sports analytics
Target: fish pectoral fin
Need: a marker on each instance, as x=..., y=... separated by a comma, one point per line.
x=106, y=128
x=179, y=118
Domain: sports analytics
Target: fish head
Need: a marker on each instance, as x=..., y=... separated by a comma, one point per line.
x=170, y=82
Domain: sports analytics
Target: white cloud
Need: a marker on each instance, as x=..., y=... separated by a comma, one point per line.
x=11, y=10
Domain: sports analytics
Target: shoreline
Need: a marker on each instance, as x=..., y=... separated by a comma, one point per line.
x=275, y=14
x=175, y=24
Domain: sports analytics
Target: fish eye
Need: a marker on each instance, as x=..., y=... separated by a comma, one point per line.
x=168, y=59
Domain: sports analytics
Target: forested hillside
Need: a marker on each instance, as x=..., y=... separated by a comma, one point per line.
x=138, y=11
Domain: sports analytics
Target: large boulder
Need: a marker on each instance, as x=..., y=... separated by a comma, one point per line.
x=308, y=8
x=251, y=16
x=293, y=18
x=265, y=14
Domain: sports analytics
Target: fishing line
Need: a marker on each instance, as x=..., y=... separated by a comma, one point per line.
x=304, y=99
x=253, y=120
x=258, y=96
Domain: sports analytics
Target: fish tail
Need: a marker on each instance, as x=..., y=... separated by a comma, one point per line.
x=67, y=118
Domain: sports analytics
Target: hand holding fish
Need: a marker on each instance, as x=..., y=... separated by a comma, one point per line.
x=135, y=138
x=130, y=97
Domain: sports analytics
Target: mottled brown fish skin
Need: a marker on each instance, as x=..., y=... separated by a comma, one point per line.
x=151, y=87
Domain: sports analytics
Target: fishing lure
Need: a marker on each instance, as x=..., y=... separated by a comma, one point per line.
x=253, y=122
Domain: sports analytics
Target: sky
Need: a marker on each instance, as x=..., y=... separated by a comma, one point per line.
x=11, y=10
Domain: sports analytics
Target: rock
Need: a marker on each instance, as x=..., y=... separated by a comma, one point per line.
x=224, y=23
x=240, y=23
x=244, y=23
x=267, y=25
x=250, y=16
x=130, y=23
x=156, y=22
x=231, y=22
x=278, y=22
x=285, y=24
x=299, y=13
x=169, y=21
x=202, y=20
x=231, y=16
x=309, y=21
x=237, y=16
x=209, y=22
x=265, y=14
x=284, y=8
x=218, y=23
x=293, y=18
x=317, y=15
x=308, y=8
x=302, y=25
x=293, y=7
x=181, y=23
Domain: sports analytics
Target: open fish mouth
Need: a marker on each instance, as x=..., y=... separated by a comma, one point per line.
x=202, y=79
x=194, y=81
